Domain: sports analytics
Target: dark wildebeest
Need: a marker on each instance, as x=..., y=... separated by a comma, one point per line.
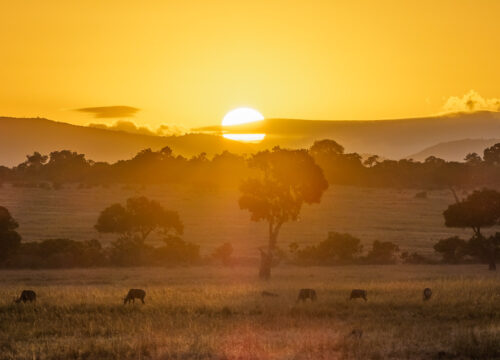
x=358, y=294
x=134, y=294
x=268, y=293
x=427, y=294
x=26, y=295
x=305, y=294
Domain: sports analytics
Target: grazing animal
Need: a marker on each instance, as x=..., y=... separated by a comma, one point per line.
x=305, y=294
x=26, y=295
x=427, y=294
x=357, y=333
x=268, y=293
x=135, y=294
x=358, y=294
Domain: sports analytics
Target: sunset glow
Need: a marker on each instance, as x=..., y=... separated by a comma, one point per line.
x=245, y=137
x=240, y=116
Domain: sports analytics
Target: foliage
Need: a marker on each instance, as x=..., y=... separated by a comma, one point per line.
x=452, y=249
x=178, y=251
x=288, y=179
x=58, y=253
x=163, y=166
x=223, y=253
x=9, y=238
x=491, y=155
x=415, y=258
x=479, y=210
x=337, y=248
x=382, y=252
x=138, y=219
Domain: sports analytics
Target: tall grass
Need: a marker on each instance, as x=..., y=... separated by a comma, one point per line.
x=218, y=313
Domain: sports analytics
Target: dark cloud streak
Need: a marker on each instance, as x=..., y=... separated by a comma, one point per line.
x=110, y=111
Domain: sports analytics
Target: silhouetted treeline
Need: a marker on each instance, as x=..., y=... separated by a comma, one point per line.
x=160, y=167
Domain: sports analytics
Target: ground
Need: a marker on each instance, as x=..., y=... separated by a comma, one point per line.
x=218, y=313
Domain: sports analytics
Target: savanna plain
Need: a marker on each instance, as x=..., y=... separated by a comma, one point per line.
x=211, y=312
x=215, y=312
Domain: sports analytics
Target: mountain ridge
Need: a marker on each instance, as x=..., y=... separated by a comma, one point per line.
x=391, y=138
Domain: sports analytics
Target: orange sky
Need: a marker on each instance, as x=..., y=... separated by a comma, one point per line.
x=189, y=62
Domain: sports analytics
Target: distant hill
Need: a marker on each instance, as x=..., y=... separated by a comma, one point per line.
x=455, y=150
x=22, y=136
x=388, y=138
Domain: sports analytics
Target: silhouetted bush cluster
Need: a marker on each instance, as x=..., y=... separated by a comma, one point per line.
x=343, y=248
x=159, y=167
x=65, y=253
x=455, y=250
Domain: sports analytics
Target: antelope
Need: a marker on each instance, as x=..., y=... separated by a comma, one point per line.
x=305, y=294
x=358, y=294
x=26, y=295
x=134, y=294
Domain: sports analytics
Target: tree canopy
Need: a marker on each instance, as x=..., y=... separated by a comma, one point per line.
x=287, y=180
x=138, y=218
x=479, y=210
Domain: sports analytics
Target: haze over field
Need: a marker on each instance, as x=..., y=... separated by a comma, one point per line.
x=249, y=179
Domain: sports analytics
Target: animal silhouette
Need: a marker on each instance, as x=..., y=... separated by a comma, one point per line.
x=134, y=294
x=26, y=296
x=427, y=294
x=358, y=294
x=305, y=294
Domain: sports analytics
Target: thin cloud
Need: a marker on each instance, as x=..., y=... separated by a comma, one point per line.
x=470, y=102
x=110, y=111
x=131, y=127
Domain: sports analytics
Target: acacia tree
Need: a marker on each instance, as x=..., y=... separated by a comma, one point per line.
x=138, y=219
x=288, y=179
x=479, y=210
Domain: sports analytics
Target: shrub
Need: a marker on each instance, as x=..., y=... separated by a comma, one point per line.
x=382, y=252
x=337, y=248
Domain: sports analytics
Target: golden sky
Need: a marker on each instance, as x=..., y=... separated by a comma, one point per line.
x=189, y=62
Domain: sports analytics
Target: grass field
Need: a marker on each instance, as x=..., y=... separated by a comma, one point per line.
x=212, y=217
x=218, y=313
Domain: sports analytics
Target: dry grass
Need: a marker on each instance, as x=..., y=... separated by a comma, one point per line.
x=218, y=313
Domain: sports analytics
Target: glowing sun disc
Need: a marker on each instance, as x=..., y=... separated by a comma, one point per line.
x=245, y=137
x=241, y=115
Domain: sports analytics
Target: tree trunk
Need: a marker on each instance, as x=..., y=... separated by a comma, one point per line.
x=266, y=260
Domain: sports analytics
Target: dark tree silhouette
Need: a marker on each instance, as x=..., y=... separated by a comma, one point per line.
x=479, y=210
x=451, y=249
x=9, y=238
x=288, y=179
x=337, y=248
x=383, y=252
x=138, y=218
x=473, y=158
x=326, y=148
x=491, y=155
x=223, y=253
x=372, y=161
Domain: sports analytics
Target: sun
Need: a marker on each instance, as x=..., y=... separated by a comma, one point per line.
x=243, y=115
